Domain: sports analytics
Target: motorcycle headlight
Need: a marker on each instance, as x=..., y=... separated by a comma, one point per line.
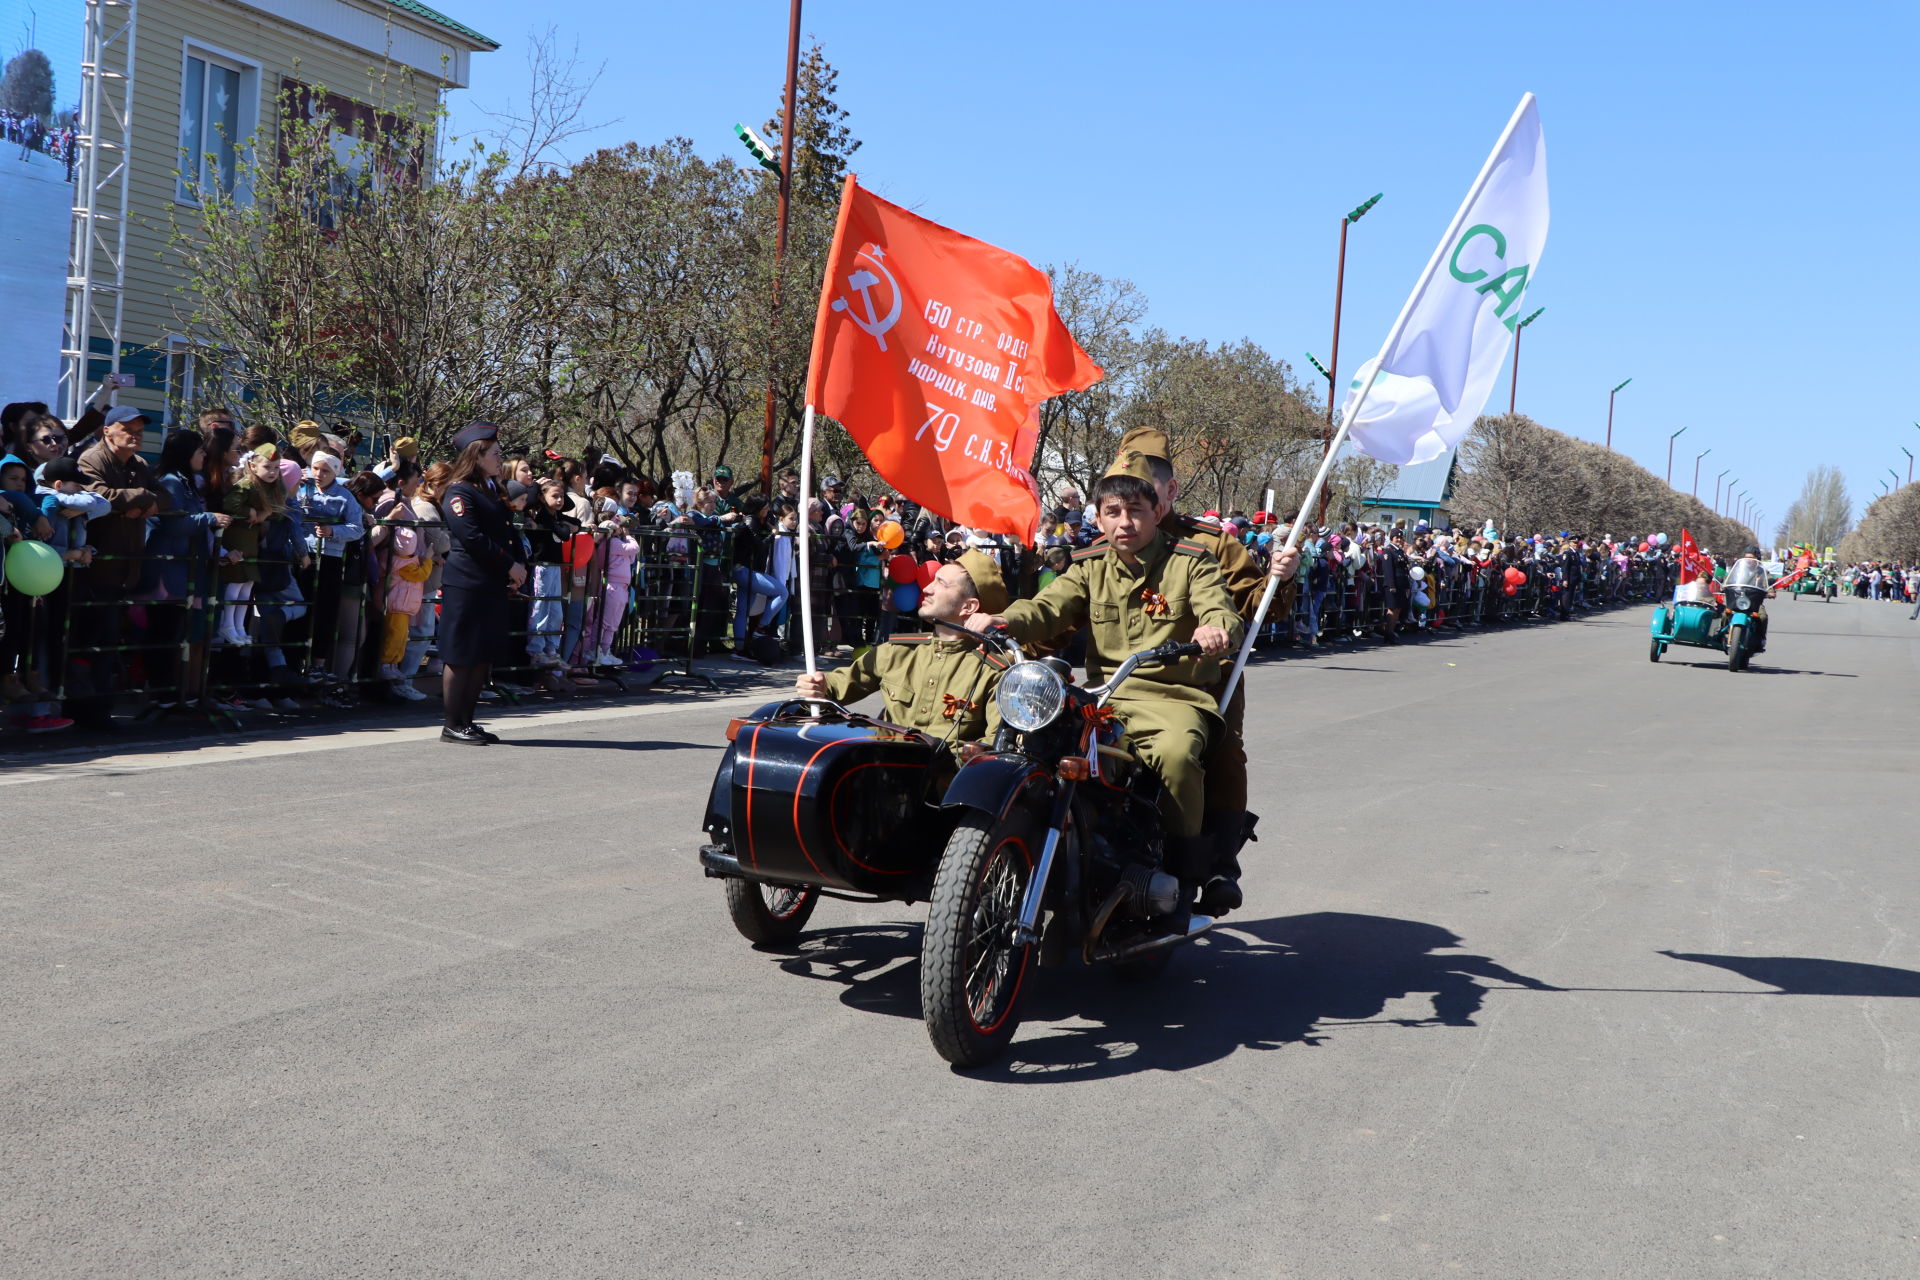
x=1030, y=696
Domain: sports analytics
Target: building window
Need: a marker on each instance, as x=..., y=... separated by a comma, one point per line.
x=199, y=377
x=219, y=109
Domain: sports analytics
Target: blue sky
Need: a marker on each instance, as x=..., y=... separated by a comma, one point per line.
x=1733, y=185
x=57, y=27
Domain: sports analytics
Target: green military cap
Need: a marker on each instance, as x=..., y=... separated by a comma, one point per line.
x=987, y=582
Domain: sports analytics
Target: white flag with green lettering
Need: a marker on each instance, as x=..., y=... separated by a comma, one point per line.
x=1446, y=349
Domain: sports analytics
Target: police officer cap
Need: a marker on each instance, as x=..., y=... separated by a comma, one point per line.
x=474, y=432
x=987, y=582
x=1151, y=441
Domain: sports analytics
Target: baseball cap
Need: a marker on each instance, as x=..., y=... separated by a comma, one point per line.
x=124, y=413
x=723, y=472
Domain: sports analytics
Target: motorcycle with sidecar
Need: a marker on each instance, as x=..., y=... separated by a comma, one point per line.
x=1044, y=845
x=1723, y=620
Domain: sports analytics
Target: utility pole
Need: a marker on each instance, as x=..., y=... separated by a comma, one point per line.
x=1332, y=371
x=783, y=170
x=1670, y=439
x=1696, y=472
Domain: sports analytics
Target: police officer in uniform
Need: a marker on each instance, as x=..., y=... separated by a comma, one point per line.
x=1135, y=589
x=485, y=566
x=940, y=684
x=1228, y=825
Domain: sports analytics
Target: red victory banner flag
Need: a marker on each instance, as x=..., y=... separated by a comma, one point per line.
x=1694, y=563
x=935, y=350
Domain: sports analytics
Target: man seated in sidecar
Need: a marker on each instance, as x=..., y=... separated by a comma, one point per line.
x=1136, y=589
x=940, y=684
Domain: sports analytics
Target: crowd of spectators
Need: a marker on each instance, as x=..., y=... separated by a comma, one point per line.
x=247, y=571
x=34, y=136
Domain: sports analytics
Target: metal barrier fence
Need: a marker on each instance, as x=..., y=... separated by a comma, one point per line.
x=219, y=633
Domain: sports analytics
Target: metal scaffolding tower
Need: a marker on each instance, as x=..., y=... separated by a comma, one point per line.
x=97, y=260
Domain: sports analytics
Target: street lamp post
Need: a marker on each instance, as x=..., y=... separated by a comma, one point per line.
x=1670, y=439
x=1513, y=392
x=1610, y=395
x=1716, y=488
x=1729, y=507
x=1333, y=361
x=1339, y=295
x=1696, y=472
x=1909, y=454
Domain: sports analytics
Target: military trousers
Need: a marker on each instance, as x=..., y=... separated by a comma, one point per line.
x=1227, y=763
x=1173, y=737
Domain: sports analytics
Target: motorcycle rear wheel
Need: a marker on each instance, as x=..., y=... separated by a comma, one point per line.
x=769, y=913
x=970, y=970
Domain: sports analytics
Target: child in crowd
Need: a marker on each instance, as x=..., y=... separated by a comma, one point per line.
x=549, y=526
x=255, y=497
x=623, y=552
x=68, y=507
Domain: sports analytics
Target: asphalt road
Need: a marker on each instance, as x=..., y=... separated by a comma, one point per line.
x=364, y=1005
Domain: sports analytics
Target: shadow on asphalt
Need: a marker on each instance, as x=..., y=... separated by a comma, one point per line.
x=1801, y=976
x=1261, y=984
x=602, y=744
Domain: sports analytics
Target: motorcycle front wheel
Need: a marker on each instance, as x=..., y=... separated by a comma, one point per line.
x=970, y=968
x=769, y=913
x=1736, y=648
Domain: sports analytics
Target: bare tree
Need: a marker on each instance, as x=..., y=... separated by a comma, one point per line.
x=1822, y=514
x=533, y=133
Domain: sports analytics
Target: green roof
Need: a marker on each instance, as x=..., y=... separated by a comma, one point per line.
x=439, y=19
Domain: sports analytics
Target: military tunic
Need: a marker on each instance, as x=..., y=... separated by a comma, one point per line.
x=938, y=686
x=1246, y=580
x=1168, y=709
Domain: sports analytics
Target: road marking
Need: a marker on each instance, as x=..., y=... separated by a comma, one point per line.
x=509, y=725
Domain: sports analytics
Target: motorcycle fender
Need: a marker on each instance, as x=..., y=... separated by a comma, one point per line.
x=1737, y=619
x=991, y=784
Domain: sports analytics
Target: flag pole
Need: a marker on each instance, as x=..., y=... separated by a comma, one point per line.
x=815, y=363
x=806, y=537
x=1347, y=419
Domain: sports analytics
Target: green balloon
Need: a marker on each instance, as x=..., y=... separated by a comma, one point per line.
x=34, y=568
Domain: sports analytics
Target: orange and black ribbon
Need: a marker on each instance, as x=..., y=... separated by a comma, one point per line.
x=1153, y=602
x=952, y=706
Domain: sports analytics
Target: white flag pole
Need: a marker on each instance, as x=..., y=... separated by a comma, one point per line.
x=806, y=537
x=1347, y=419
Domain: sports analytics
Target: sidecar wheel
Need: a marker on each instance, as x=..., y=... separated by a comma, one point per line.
x=1653, y=652
x=769, y=913
x=970, y=969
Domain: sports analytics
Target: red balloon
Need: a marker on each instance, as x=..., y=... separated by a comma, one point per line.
x=1510, y=589
x=1514, y=578
x=1644, y=546
x=577, y=553
x=927, y=569
x=902, y=569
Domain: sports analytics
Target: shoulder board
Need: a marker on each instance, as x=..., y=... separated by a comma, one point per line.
x=996, y=661
x=1188, y=547
x=909, y=639
x=1210, y=524
x=1089, y=552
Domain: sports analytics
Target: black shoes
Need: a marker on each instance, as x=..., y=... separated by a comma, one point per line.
x=471, y=735
x=1219, y=896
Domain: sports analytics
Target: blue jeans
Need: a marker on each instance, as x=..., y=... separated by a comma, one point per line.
x=751, y=584
x=543, y=626
x=576, y=615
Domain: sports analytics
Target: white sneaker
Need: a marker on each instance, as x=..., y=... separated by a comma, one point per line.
x=389, y=673
x=605, y=658
x=401, y=689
